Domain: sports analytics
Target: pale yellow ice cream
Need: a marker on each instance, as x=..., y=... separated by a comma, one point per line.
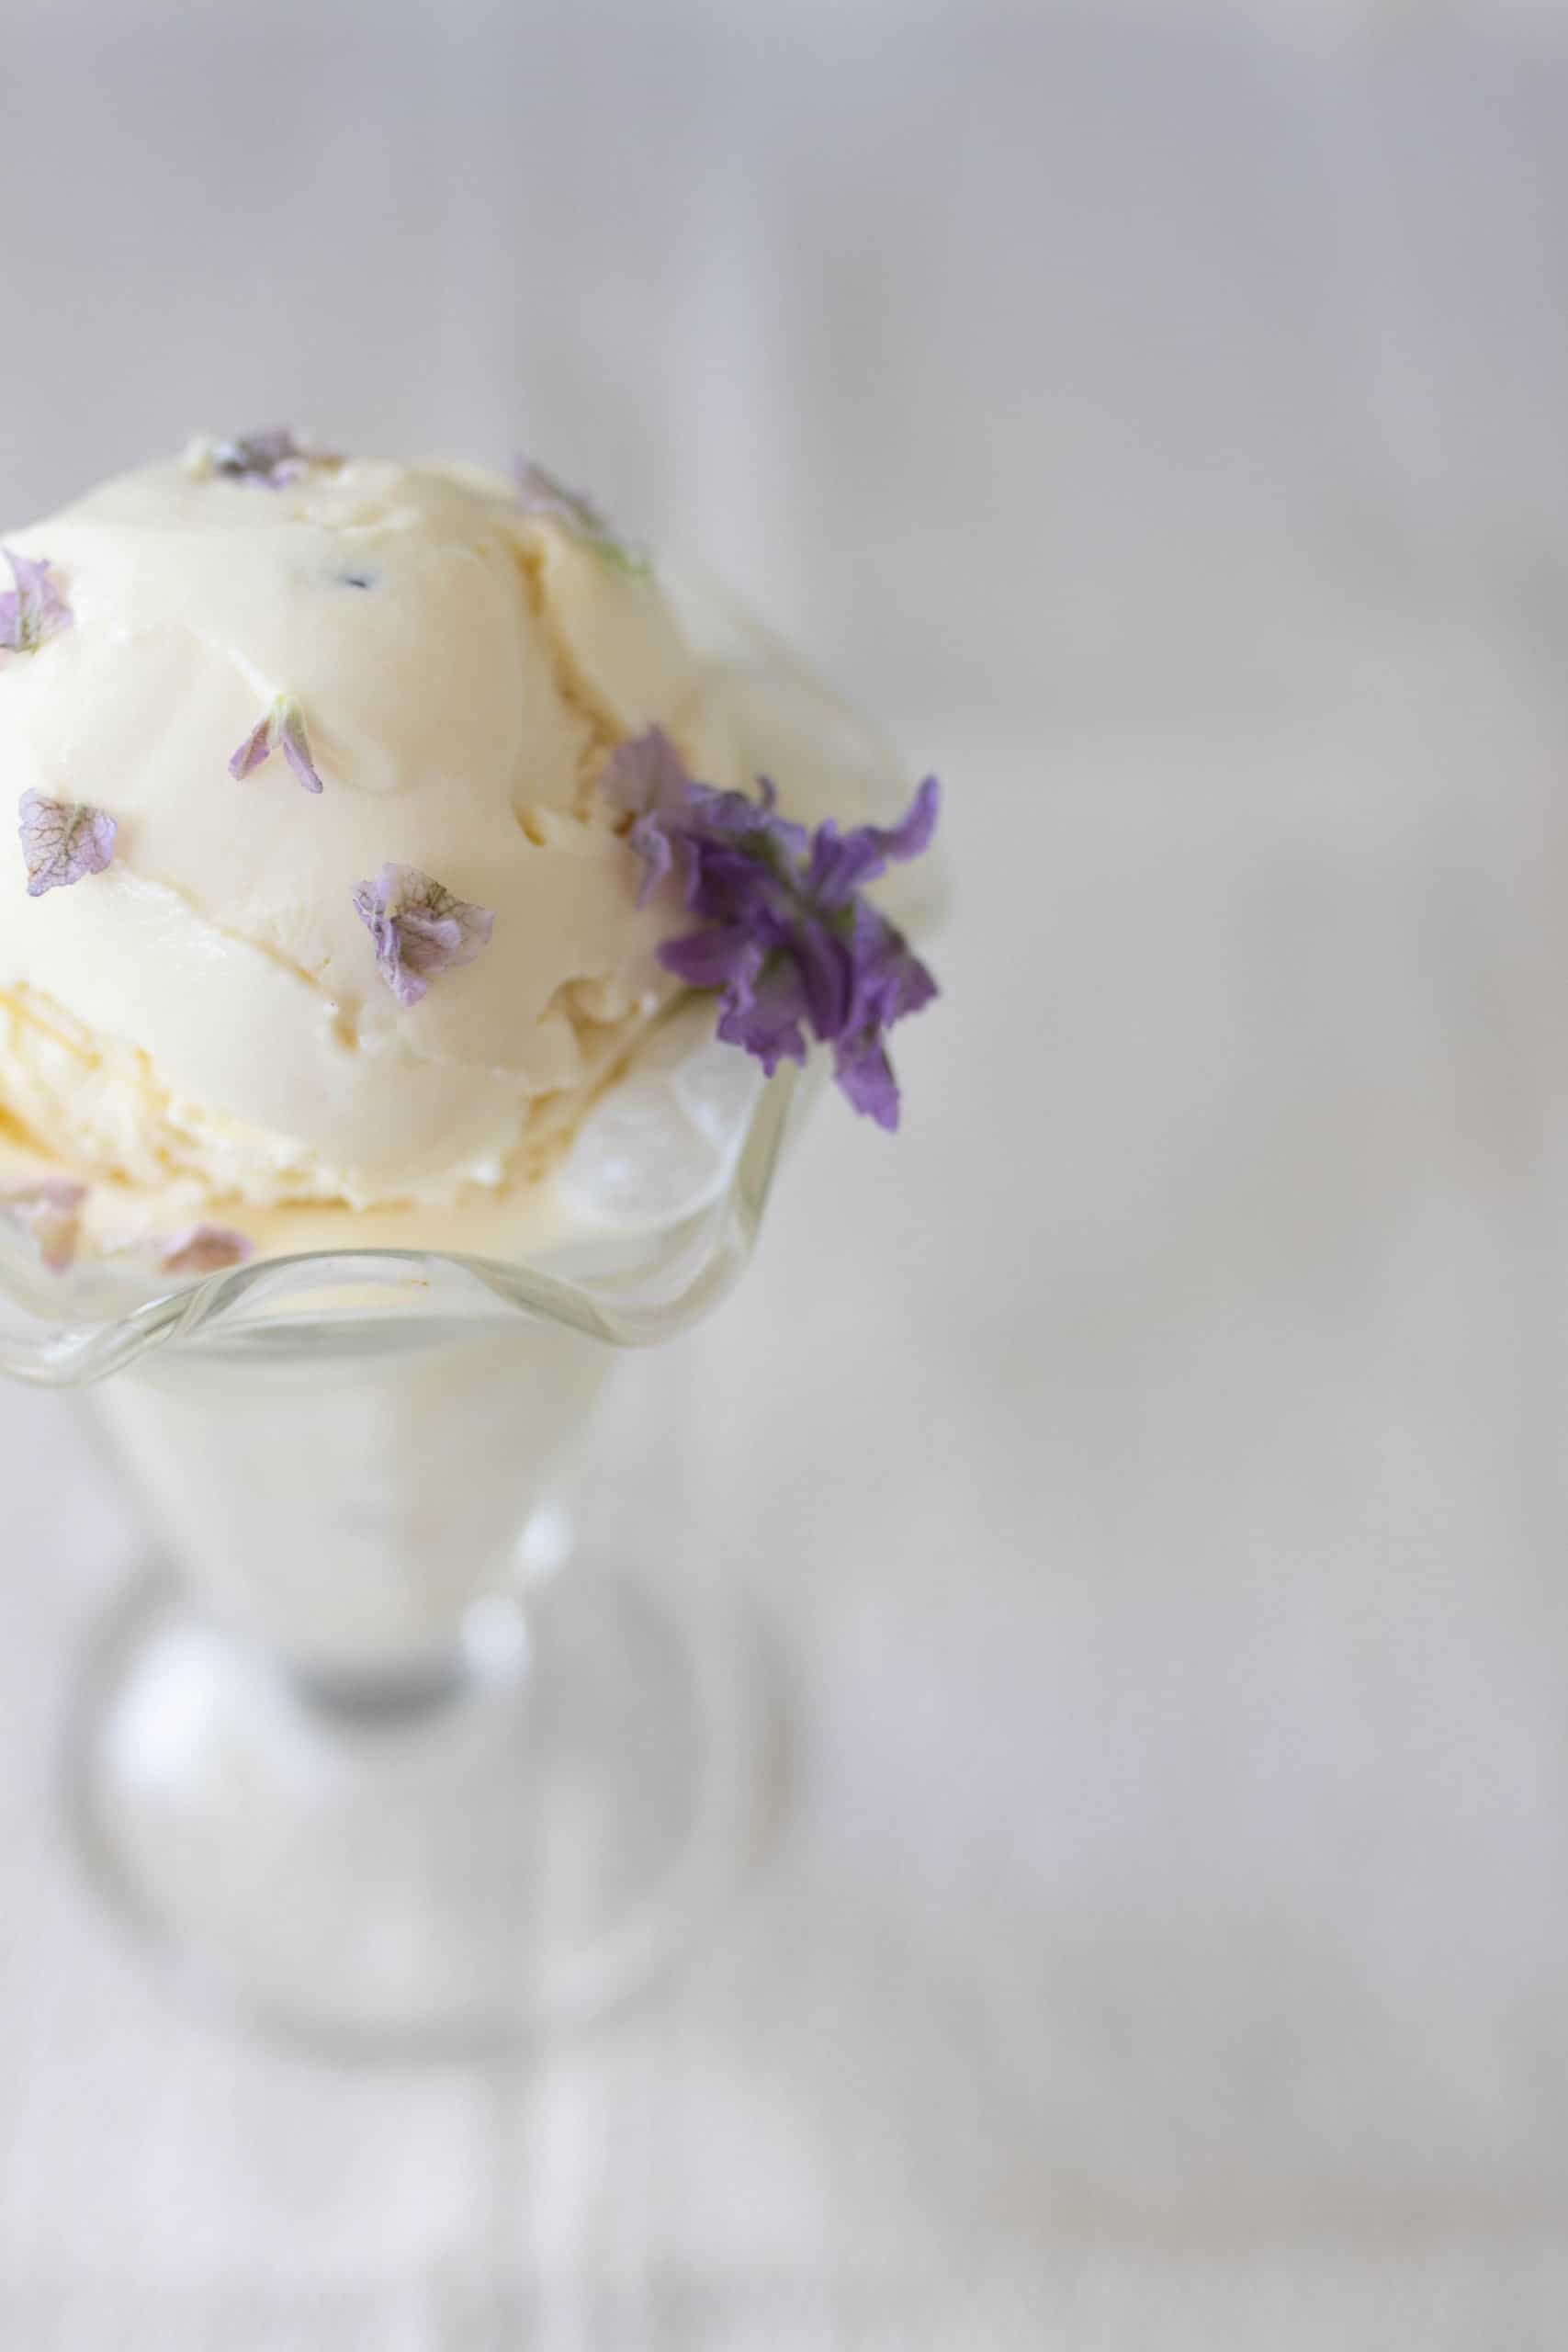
x=207, y=1015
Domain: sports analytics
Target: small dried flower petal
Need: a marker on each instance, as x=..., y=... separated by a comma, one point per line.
x=541, y=494
x=281, y=728
x=51, y=1213
x=420, y=929
x=269, y=460
x=647, y=776
x=648, y=779
x=204, y=1249
x=64, y=841
x=842, y=864
x=865, y=1076
x=34, y=609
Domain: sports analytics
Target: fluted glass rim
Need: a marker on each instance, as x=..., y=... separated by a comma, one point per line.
x=673, y=1277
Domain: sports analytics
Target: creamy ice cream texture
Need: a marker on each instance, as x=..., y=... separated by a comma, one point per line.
x=204, y=1023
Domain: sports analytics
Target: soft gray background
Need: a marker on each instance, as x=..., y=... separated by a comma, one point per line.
x=1153, y=1460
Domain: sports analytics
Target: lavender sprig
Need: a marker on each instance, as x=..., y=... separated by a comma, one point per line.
x=281, y=728
x=786, y=939
x=420, y=929
x=32, y=611
x=541, y=494
x=64, y=841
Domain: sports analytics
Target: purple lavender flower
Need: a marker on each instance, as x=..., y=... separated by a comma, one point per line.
x=786, y=939
x=64, y=841
x=268, y=460
x=541, y=494
x=34, y=609
x=419, y=928
x=50, y=1214
x=281, y=728
x=203, y=1250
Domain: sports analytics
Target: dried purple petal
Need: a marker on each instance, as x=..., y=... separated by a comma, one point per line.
x=281, y=728
x=768, y=1016
x=420, y=929
x=792, y=947
x=541, y=494
x=64, y=841
x=653, y=843
x=864, y=1075
x=50, y=1214
x=296, y=746
x=648, y=779
x=721, y=955
x=842, y=864
x=890, y=982
x=204, y=1249
x=647, y=776
x=269, y=460
x=34, y=609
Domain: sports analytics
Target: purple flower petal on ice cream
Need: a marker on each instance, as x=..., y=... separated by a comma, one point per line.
x=51, y=1213
x=269, y=460
x=826, y=965
x=648, y=779
x=541, y=494
x=64, y=841
x=752, y=827
x=281, y=728
x=842, y=864
x=203, y=1250
x=887, y=983
x=864, y=1075
x=769, y=1017
x=724, y=955
x=33, y=609
x=680, y=822
x=889, y=980
x=256, y=747
x=652, y=844
x=420, y=929
x=295, y=745
x=646, y=775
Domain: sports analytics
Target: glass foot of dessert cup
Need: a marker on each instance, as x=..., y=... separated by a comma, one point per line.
x=517, y=1836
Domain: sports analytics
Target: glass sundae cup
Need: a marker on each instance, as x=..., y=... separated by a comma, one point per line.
x=366, y=1751
x=369, y=1753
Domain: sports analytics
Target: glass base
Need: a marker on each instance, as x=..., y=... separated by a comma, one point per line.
x=521, y=1837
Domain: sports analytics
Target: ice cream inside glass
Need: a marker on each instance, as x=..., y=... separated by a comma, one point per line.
x=356, y=1106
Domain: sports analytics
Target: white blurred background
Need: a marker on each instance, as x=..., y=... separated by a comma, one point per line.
x=1153, y=1461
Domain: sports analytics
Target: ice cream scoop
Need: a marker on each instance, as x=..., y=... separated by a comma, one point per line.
x=453, y=669
x=330, y=916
